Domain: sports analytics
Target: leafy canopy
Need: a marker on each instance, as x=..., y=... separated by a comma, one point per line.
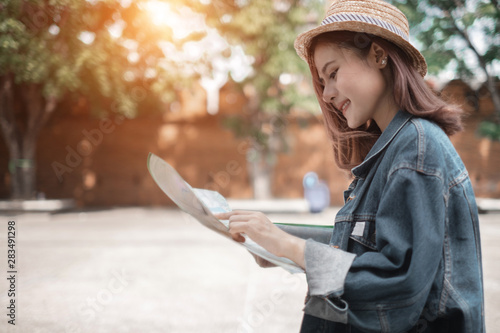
x=111, y=51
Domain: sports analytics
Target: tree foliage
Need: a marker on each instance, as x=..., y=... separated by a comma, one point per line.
x=108, y=51
x=102, y=49
x=465, y=32
x=113, y=54
x=266, y=30
x=447, y=28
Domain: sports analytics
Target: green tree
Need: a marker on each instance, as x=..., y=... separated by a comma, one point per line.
x=266, y=30
x=108, y=51
x=474, y=25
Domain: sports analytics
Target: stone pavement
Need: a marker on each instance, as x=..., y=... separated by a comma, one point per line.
x=158, y=270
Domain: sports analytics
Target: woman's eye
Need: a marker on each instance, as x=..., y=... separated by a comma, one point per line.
x=333, y=74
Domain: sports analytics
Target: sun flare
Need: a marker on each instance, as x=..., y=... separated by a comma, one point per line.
x=162, y=14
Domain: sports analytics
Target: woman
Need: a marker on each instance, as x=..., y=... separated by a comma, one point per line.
x=404, y=254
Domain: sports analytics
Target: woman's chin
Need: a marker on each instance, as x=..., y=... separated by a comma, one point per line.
x=352, y=124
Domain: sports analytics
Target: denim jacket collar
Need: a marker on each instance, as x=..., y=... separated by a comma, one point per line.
x=396, y=124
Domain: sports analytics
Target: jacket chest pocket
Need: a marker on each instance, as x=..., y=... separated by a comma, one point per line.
x=363, y=237
x=356, y=237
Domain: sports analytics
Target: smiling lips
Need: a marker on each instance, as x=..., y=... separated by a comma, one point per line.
x=344, y=106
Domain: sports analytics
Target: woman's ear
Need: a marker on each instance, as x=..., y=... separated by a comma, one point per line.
x=378, y=56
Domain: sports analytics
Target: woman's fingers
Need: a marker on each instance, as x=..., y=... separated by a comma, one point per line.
x=236, y=229
x=254, y=224
x=239, y=213
x=238, y=222
x=238, y=237
x=241, y=222
x=262, y=262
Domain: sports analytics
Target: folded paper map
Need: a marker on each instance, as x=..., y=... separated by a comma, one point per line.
x=202, y=204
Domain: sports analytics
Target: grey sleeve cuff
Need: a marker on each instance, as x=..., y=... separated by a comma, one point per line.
x=326, y=268
x=323, y=307
x=319, y=234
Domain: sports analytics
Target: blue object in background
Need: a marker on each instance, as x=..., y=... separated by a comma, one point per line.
x=316, y=192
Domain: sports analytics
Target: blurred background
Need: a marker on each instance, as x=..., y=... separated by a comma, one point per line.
x=88, y=88
x=214, y=87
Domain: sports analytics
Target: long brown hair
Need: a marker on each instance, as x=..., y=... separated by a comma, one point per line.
x=411, y=93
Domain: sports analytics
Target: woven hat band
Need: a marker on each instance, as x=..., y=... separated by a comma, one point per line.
x=375, y=17
x=349, y=17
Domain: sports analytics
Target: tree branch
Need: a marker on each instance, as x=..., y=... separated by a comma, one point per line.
x=465, y=36
x=50, y=106
x=496, y=4
x=33, y=105
x=7, y=118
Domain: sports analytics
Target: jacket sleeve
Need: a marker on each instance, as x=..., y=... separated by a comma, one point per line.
x=319, y=234
x=386, y=290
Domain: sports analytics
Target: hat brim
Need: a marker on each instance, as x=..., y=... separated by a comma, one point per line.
x=303, y=41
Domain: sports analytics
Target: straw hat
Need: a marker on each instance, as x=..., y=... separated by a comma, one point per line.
x=374, y=17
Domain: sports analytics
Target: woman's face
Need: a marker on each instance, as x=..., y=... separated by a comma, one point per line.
x=355, y=87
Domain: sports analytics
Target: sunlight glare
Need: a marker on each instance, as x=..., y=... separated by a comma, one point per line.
x=162, y=14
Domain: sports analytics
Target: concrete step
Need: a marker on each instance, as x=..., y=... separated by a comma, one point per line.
x=37, y=205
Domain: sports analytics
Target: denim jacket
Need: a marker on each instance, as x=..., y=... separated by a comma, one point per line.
x=405, y=252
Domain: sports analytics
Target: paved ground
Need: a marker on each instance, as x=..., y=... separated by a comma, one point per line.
x=157, y=270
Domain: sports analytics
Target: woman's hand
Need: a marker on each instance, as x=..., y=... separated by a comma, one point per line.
x=262, y=231
x=261, y=261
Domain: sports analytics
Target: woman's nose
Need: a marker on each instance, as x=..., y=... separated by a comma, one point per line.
x=329, y=93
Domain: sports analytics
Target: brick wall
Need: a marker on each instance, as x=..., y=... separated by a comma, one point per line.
x=481, y=156
x=103, y=162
